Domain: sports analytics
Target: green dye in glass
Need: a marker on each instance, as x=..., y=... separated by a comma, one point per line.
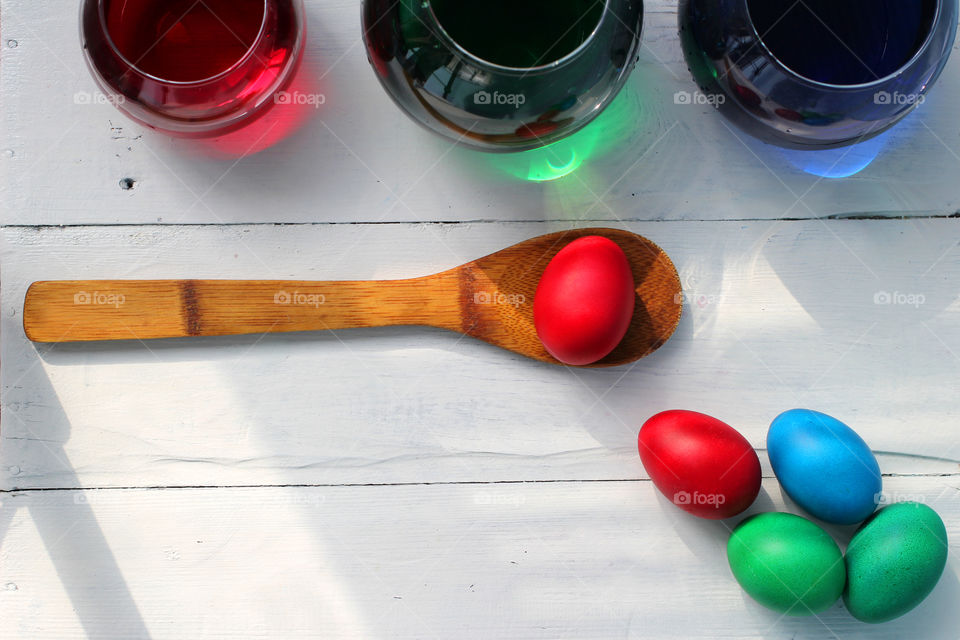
x=518, y=34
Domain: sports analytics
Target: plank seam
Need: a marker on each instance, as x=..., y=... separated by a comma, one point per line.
x=841, y=217
x=398, y=484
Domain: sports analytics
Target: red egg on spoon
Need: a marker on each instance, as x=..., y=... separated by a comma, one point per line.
x=584, y=301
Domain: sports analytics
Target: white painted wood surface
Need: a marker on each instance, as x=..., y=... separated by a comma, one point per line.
x=407, y=483
x=767, y=330
x=543, y=560
x=398, y=408
x=358, y=158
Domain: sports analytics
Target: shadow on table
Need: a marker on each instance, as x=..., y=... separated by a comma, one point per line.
x=936, y=618
x=65, y=520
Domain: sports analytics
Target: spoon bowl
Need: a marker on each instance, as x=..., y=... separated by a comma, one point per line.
x=490, y=299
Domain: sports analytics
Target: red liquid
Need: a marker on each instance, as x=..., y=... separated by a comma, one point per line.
x=189, y=66
x=184, y=40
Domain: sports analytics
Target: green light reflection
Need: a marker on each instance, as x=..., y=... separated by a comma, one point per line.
x=613, y=127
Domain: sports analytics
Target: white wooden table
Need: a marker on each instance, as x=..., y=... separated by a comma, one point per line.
x=407, y=483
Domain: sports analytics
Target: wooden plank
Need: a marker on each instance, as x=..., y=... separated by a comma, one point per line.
x=542, y=560
x=67, y=155
x=855, y=318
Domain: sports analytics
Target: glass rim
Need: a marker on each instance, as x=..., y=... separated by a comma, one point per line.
x=181, y=83
x=920, y=51
x=481, y=62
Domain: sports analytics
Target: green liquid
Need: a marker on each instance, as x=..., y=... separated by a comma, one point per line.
x=519, y=33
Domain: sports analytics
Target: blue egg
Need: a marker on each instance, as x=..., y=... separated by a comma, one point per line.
x=824, y=466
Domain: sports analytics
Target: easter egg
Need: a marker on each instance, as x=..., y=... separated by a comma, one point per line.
x=824, y=466
x=786, y=563
x=704, y=466
x=584, y=301
x=894, y=561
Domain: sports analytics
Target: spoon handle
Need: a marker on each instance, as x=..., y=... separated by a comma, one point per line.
x=85, y=310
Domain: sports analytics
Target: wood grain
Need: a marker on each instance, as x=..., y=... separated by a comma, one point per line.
x=555, y=533
x=767, y=326
x=560, y=560
x=490, y=299
x=90, y=310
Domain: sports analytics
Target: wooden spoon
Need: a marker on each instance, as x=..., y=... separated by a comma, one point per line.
x=490, y=299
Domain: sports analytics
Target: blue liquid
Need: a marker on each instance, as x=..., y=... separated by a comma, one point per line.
x=843, y=42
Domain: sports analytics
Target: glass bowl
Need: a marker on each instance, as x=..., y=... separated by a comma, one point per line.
x=816, y=73
x=192, y=69
x=502, y=75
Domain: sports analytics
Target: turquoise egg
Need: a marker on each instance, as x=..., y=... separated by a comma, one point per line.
x=824, y=466
x=894, y=561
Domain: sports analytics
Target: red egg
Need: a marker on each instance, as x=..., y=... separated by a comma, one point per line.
x=584, y=301
x=702, y=465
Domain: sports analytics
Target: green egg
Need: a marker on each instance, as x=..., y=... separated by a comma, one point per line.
x=894, y=561
x=786, y=563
